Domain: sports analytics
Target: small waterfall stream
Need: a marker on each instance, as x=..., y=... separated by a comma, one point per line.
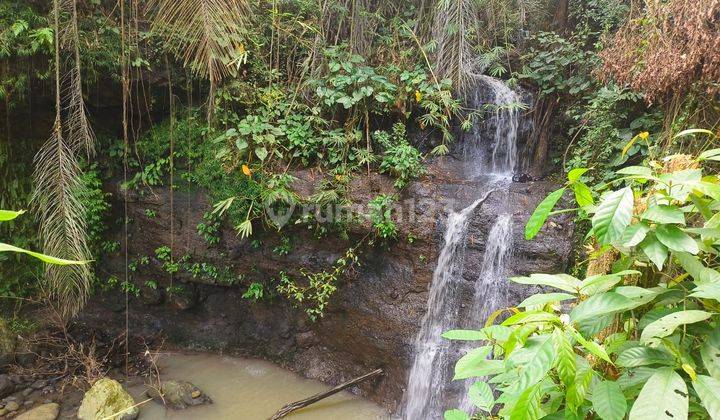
x=489, y=149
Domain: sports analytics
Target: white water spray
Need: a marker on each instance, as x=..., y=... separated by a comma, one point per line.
x=428, y=393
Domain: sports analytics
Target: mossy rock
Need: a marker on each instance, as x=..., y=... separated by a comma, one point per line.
x=178, y=395
x=107, y=398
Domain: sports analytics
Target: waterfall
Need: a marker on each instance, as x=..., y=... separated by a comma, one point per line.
x=490, y=149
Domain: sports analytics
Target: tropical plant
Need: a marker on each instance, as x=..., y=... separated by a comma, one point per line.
x=8, y=215
x=638, y=337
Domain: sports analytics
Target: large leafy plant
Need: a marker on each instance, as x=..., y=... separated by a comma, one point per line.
x=7, y=215
x=639, y=336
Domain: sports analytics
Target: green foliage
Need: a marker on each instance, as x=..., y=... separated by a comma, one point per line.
x=97, y=207
x=254, y=292
x=630, y=343
x=557, y=65
x=381, y=208
x=209, y=229
x=313, y=293
x=284, y=247
x=399, y=158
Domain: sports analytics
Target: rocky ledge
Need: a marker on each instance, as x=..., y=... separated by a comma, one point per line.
x=375, y=312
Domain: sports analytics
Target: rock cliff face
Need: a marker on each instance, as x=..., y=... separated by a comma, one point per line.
x=376, y=311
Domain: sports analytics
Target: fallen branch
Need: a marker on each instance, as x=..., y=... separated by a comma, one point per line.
x=289, y=408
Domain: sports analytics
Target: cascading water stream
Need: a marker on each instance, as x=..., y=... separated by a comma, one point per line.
x=430, y=392
x=428, y=371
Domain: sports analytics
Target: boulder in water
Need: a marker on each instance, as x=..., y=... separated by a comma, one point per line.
x=107, y=398
x=43, y=412
x=178, y=394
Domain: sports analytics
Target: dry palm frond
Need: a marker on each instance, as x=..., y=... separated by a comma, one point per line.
x=207, y=34
x=678, y=162
x=79, y=133
x=451, y=24
x=62, y=227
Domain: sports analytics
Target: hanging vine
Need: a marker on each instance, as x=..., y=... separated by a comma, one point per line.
x=57, y=177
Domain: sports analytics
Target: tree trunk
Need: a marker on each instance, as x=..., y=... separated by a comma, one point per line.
x=561, y=16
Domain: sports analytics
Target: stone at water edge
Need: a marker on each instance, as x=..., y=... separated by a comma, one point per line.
x=107, y=398
x=12, y=406
x=178, y=394
x=43, y=412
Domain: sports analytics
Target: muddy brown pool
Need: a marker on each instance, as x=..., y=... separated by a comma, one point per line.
x=250, y=389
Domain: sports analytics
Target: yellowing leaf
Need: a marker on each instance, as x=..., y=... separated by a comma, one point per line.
x=246, y=170
x=418, y=96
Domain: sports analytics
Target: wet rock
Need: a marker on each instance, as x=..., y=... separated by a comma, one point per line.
x=27, y=391
x=12, y=406
x=39, y=384
x=306, y=339
x=7, y=386
x=43, y=412
x=106, y=398
x=178, y=394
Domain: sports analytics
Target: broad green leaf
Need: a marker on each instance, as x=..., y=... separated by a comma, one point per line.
x=541, y=213
x=603, y=282
x=42, y=257
x=706, y=188
x=675, y=239
x=636, y=376
x=591, y=346
x=583, y=194
x=708, y=389
x=467, y=335
x=527, y=406
x=643, y=171
x=538, y=361
x=531, y=316
x=575, y=394
x=711, y=359
x=456, y=414
x=643, y=356
x=664, y=396
x=261, y=153
x=634, y=234
x=697, y=270
x=613, y=215
x=565, y=360
x=639, y=294
x=575, y=174
x=6, y=215
x=476, y=363
x=544, y=298
x=608, y=401
x=599, y=305
x=655, y=251
x=707, y=291
x=664, y=214
x=666, y=325
x=712, y=154
x=692, y=131
x=559, y=281
x=482, y=396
